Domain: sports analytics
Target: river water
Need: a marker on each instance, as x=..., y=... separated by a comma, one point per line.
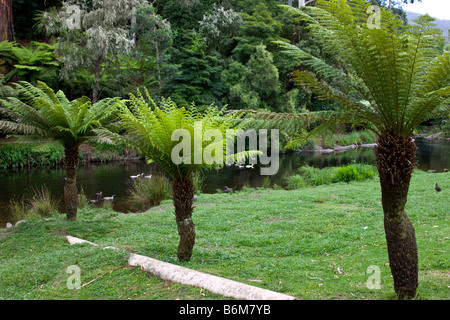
x=114, y=178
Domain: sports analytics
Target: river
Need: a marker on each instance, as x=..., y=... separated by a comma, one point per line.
x=114, y=178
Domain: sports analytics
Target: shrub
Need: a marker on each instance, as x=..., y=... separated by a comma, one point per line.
x=150, y=192
x=41, y=202
x=346, y=174
x=17, y=156
x=310, y=176
x=354, y=137
x=368, y=136
x=18, y=209
x=197, y=180
x=295, y=182
x=38, y=205
x=315, y=176
x=83, y=200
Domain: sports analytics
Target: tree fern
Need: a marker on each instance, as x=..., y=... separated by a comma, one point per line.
x=38, y=114
x=150, y=130
x=391, y=79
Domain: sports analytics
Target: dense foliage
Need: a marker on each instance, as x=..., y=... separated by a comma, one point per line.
x=202, y=52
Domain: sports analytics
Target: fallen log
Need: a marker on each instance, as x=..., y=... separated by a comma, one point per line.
x=186, y=276
x=215, y=284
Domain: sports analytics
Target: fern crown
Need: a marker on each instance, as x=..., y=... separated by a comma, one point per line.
x=389, y=79
x=39, y=114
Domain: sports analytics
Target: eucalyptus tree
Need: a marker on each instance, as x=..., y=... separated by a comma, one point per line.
x=90, y=36
x=391, y=79
x=40, y=115
x=156, y=131
x=219, y=27
x=154, y=39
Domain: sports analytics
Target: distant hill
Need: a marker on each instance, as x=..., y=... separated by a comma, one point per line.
x=444, y=25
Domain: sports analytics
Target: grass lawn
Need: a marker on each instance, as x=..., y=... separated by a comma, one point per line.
x=312, y=243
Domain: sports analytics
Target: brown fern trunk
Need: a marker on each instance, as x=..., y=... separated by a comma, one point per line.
x=70, y=187
x=183, y=195
x=396, y=159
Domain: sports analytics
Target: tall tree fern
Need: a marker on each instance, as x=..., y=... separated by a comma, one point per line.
x=391, y=79
x=38, y=114
x=181, y=141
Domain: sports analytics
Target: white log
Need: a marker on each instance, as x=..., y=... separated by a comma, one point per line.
x=215, y=284
x=73, y=240
x=219, y=285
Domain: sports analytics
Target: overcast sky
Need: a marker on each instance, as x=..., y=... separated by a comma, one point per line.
x=436, y=8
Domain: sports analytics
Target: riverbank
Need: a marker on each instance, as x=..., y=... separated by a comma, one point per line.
x=16, y=156
x=312, y=243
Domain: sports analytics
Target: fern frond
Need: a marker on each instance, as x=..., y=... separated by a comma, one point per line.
x=39, y=111
x=393, y=77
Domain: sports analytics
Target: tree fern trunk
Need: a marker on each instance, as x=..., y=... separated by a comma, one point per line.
x=183, y=194
x=70, y=187
x=395, y=158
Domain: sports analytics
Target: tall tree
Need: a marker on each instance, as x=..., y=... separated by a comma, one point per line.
x=6, y=28
x=219, y=27
x=154, y=40
x=197, y=70
x=156, y=131
x=6, y=21
x=392, y=80
x=258, y=27
x=258, y=85
x=90, y=36
x=39, y=114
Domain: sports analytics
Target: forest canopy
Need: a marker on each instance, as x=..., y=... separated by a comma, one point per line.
x=195, y=52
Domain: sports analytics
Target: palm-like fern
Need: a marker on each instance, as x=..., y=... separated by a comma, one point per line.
x=39, y=114
x=390, y=79
x=32, y=63
x=150, y=130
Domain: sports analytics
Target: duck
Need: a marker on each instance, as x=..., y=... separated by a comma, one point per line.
x=228, y=190
x=93, y=201
x=437, y=188
x=99, y=194
x=148, y=177
x=137, y=176
x=109, y=198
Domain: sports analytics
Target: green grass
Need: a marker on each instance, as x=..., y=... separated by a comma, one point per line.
x=312, y=243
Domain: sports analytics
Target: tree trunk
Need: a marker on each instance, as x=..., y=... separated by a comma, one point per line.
x=6, y=28
x=396, y=159
x=158, y=67
x=6, y=21
x=70, y=187
x=183, y=195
